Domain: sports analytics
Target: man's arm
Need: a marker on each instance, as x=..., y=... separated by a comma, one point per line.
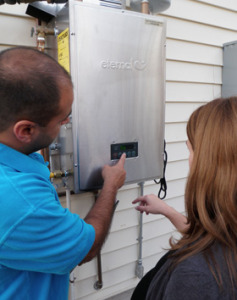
x=100, y=216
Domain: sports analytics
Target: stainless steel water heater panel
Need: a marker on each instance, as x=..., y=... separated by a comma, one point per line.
x=118, y=69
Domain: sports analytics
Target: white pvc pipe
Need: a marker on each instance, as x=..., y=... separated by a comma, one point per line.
x=68, y=199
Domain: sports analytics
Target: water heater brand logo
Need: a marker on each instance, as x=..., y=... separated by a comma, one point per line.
x=139, y=65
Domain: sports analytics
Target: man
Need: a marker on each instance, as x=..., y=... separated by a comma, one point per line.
x=40, y=241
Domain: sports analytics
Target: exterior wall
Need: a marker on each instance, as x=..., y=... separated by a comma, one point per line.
x=15, y=26
x=196, y=31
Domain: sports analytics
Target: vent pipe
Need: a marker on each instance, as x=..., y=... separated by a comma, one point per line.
x=155, y=6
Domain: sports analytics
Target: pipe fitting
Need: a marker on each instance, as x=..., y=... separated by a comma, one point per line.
x=41, y=41
x=60, y=173
x=145, y=7
x=55, y=146
x=98, y=285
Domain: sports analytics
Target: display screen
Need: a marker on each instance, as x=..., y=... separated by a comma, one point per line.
x=131, y=150
x=127, y=147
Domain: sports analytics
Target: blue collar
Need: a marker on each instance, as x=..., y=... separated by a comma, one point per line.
x=32, y=163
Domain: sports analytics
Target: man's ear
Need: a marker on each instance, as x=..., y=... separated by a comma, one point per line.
x=25, y=131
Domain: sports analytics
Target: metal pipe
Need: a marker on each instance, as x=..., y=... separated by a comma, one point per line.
x=60, y=174
x=41, y=33
x=45, y=30
x=72, y=276
x=145, y=7
x=72, y=288
x=40, y=41
x=139, y=267
x=68, y=200
x=99, y=283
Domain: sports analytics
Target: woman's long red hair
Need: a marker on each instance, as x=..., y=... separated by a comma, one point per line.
x=211, y=189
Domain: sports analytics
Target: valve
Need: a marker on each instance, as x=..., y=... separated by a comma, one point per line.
x=60, y=174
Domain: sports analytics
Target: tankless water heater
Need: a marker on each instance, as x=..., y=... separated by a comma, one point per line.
x=117, y=63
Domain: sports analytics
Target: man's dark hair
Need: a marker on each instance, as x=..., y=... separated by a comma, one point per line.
x=30, y=85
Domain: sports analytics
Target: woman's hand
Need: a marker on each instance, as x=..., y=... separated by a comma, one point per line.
x=151, y=204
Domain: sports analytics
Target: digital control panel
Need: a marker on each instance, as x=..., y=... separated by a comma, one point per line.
x=131, y=150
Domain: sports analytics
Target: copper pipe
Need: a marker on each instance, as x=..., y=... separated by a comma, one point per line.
x=41, y=41
x=145, y=7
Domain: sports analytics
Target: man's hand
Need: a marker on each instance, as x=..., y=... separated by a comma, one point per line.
x=100, y=215
x=115, y=175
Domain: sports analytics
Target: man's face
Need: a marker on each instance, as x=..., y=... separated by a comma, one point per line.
x=48, y=133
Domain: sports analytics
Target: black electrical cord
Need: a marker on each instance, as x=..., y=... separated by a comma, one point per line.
x=162, y=181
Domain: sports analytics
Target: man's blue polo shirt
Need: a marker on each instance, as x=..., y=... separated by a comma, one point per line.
x=40, y=241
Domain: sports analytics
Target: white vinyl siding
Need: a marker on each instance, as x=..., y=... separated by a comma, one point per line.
x=15, y=27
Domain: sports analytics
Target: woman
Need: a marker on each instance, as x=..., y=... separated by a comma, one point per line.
x=203, y=263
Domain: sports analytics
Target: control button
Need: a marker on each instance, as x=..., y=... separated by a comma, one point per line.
x=115, y=155
x=130, y=149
